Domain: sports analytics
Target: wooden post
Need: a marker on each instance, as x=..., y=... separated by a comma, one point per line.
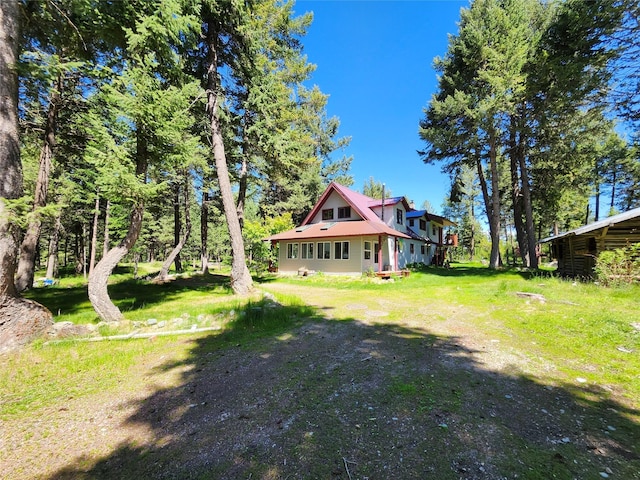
x=573, y=267
x=395, y=254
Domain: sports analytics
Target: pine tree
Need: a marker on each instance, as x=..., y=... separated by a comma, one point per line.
x=20, y=319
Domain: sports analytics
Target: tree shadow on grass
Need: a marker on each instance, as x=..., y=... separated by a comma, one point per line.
x=286, y=393
x=128, y=295
x=465, y=270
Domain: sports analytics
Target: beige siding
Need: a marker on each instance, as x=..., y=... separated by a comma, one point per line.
x=354, y=264
x=335, y=201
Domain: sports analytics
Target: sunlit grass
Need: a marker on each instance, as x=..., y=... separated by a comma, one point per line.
x=584, y=330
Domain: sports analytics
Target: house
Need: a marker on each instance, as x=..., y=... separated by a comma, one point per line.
x=350, y=233
x=577, y=250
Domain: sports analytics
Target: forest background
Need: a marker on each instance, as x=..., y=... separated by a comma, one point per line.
x=184, y=130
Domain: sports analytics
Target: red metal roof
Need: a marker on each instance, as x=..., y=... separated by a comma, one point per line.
x=338, y=229
x=358, y=201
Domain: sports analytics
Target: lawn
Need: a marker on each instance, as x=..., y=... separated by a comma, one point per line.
x=444, y=374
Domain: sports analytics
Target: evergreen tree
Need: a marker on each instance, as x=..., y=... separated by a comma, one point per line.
x=374, y=189
x=149, y=104
x=20, y=319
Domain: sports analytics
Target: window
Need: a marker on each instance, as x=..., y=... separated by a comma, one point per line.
x=327, y=214
x=367, y=250
x=376, y=247
x=411, y=222
x=433, y=229
x=411, y=248
x=399, y=216
x=422, y=249
x=292, y=250
x=341, y=250
x=307, y=250
x=423, y=225
x=324, y=250
x=344, y=212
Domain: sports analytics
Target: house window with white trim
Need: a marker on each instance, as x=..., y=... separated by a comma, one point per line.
x=433, y=230
x=423, y=225
x=324, y=250
x=411, y=248
x=344, y=212
x=341, y=250
x=376, y=249
x=367, y=250
x=292, y=250
x=327, y=214
x=307, y=250
x=422, y=249
x=399, y=216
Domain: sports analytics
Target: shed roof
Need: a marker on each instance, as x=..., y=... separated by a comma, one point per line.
x=607, y=222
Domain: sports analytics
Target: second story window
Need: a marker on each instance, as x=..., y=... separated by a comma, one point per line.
x=327, y=214
x=399, y=216
x=344, y=212
x=423, y=225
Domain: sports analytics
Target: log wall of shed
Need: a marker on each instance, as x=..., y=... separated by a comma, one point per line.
x=577, y=254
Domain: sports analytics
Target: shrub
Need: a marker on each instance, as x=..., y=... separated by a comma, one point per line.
x=619, y=266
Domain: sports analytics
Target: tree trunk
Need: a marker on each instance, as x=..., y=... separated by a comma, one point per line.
x=94, y=234
x=52, y=261
x=472, y=241
x=164, y=271
x=204, y=232
x=494, y=218
x=242, y=182
x=20, y=320
x=98, y=292
x=528, y=211
x=516, y=196
x=241, y=281
x=105, y=246
x=177, y=227
x=26, y=264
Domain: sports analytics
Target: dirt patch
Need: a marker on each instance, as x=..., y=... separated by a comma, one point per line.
x=362, y=397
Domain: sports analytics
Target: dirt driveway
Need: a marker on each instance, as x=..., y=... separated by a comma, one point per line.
x=351, y=394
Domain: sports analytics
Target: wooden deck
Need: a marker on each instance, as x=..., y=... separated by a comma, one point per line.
x=386, y=274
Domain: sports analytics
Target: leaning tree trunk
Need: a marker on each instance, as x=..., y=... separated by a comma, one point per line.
x=164, y=271
x=241, y=281
x=20, y=320
x=99, y=277
x=98, y=292
x=26, y=264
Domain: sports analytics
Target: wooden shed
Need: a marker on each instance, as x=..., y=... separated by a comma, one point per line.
x=577, y=250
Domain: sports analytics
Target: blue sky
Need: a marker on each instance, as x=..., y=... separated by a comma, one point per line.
x=375, y=60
